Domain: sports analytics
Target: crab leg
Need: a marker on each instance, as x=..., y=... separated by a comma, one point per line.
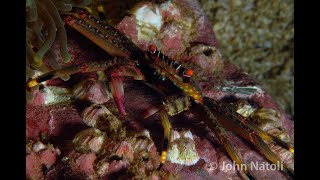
x=247, y=124
x=167, y=127
x=167, y=135
x=220, y=132
x=56, y=74
x=116, y=83
x=267, y=137
x=231, y=120
x=103, y=35
x=170, y=106
x=116, y=86
x=86, y=67
x=116, y=74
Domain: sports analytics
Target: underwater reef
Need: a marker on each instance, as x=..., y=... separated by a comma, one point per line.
x=74, y=130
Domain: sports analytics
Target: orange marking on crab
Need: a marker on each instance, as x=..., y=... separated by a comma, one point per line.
x=188, y=72
x=152, y=48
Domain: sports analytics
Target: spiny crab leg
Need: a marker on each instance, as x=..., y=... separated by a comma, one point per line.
x=79, y=68
x=231, y=120
x=267, y=137
x=103, y=35
x=115, y=70
x=247, y=123
x=213, y=123
x=167, y=129
x=116, y=83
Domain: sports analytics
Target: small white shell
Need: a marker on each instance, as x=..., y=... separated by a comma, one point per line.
x=98, y=116
x=38, y=146
x=142, y=142
x=56, y=95
x=182, y=149
x=149, y=21
x=91, y=114
x=124, y=150
x=245, y=109
x=90, y=140
x=102, y=168
x=91, y=90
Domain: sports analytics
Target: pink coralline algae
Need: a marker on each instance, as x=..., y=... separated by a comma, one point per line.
x=39, y=157
x=96, y=141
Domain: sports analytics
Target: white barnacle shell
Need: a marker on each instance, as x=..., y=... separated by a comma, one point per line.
x=91, y=114
x=146, y=133
x=124, y=149
x=149, y=21
x=56, y=95
x=182, y=149
x=142, y=143
x=102, y=168
x=245, y=109
x=98, y=116
x=90, y=140
x=38, y=146
x=91, y=90
x=267, y=118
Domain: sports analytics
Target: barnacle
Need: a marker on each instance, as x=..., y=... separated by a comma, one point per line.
x=90, y=140
x=269, y=120
x=98, y=116
x=182, y=149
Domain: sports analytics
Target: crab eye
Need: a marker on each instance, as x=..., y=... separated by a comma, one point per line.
x=152, y=48
x=188, y=73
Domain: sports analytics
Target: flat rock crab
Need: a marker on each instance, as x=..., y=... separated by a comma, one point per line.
x=188, y=38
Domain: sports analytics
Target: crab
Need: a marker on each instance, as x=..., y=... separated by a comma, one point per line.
x=177, y=86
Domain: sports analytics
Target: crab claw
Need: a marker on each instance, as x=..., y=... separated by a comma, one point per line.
x=116, y=83
x=116, y=86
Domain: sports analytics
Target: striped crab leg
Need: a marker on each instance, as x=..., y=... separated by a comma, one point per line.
x=247, y=123
x=105, y=36
x=231, y=119
x=115, y=70
x=214, y=124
